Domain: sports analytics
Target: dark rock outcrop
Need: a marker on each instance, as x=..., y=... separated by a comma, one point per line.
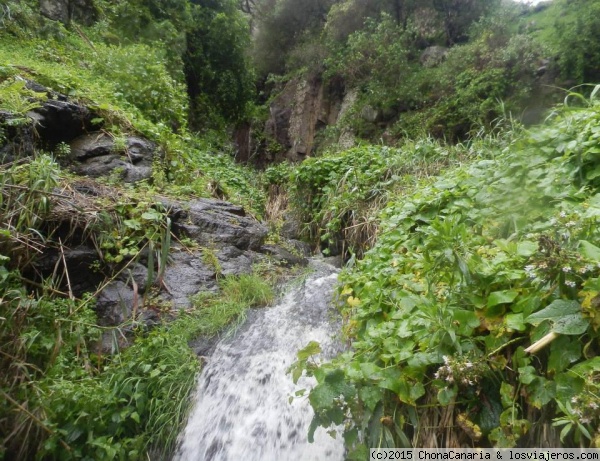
x=283, y=256
x=114, y=304
x=80, y=261
x=65, y=11
x=187, y=275
x=17, y=140
x=301, y=109
x=97, y=154
x=60, y=120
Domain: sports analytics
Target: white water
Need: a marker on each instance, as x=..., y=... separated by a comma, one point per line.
x=242, y=409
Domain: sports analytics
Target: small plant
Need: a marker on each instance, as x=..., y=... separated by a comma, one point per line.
x=209, y=257
x=62, y=149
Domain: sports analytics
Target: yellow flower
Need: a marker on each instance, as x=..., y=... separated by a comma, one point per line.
x=353, y=302
x=346, y=291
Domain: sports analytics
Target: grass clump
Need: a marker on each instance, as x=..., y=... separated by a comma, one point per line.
x=212, y=311
x=248, y=289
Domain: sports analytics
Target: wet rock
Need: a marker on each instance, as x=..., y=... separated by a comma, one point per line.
x=175, y=211
x=203, y=347
x=18, y=140
x=369, y=114
x=137, y=273
x=301, y=248
x=302, y=108
x=115, y=303
x=215, y=223
x=292, y=226
x=57, y=10
x=283, y=257
x=236, y=264
x=186, y=276
x=97, y=154
x=335, y=261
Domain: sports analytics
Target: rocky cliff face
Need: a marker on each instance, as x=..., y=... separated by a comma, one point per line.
x=65, y=11
x=303, y=108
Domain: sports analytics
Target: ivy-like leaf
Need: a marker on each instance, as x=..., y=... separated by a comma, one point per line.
x=565, y=316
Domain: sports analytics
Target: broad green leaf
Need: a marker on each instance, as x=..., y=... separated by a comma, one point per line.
x=152, y=216
x=371, y=396
x=323, y=396
x=527, y=248
x=466, y=321
x=507, y=394
x=527, y=374
x=370, y=370
x=311, y=349
x=563, y=352
x=501, y=297
x=565, y=317
x=586, y=367
x=489, y=415
x=589, y=250
x=515, y=322
x=542, y=391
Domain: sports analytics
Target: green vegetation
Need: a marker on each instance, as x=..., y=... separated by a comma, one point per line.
x=339, y=194
x=62, y=399
x=478, y=303
x=471, y=295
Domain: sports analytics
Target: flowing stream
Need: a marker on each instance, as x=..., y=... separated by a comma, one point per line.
x=242, y=409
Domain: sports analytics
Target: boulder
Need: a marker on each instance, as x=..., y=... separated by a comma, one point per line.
x=114, y=304
x=96, y=154
x=302, y=108
x=137, y=273
x=80, y=261
x=236, y=265
x=187, y=275
x=57, y=10
x=291, y=227
x=18, y=140
x=215, y=223
x=369, y=114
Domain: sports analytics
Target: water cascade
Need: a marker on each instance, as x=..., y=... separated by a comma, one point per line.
x=242, y=409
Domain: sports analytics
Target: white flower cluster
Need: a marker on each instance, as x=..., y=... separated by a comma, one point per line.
x=460, y=370
x=586, y=408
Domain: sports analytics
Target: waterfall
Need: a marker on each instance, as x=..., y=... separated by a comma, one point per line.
x=242, y=409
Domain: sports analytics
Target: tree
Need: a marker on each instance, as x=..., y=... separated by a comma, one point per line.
x=458, y=15
x=282, y=26
x=217, y=68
